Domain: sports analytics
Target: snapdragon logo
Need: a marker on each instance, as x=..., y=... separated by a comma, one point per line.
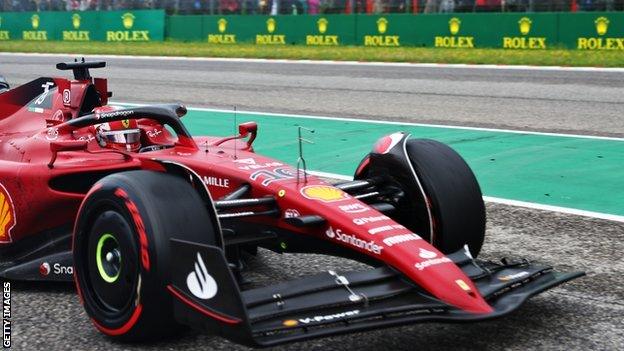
x=199, y=282
x=353, y=240
x=57, y=269
x=44, y=269
x=426, y=254
x=431, y=261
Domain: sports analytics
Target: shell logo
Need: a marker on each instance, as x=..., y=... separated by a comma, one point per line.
x=76, y=21
x=322, y=25
x=128, y=20
x=35, y=21
x=271, y=25
x=525, y=25
x=382, y=25
x=602, y=25
x=323, y=193
x=222, y=25
x=7, y=215
x=454, y=25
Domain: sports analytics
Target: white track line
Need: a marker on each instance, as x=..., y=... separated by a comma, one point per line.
x=339, y=63
x=373, y=121
x=531, y=205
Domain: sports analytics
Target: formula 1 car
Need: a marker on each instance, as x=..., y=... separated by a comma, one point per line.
x=155, y=236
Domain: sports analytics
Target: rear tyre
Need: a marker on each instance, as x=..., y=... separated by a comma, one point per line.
x=122, y=253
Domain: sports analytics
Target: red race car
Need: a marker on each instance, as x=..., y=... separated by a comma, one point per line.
x=153, y=224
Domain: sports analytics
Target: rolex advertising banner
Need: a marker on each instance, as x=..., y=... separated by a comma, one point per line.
x=127, y=26
x=388, y=31
x=592, y=31
x=513, y=31
x=329, y=30
x=509, y=31
x=132, y=26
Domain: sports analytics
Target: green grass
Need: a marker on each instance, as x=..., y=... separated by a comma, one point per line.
x=550, y=57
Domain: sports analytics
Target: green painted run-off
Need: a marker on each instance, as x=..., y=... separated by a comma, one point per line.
x=580, y=173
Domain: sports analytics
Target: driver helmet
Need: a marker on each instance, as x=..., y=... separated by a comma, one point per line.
x=122, y=135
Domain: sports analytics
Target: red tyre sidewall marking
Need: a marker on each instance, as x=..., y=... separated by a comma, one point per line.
x=138, y=222
x=124, y=328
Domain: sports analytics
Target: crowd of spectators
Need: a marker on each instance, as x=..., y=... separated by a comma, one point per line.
x=275, y=7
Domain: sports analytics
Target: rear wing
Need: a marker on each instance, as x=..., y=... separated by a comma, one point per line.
x=333, y=303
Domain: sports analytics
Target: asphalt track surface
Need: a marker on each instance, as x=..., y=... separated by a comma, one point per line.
x=585, y=314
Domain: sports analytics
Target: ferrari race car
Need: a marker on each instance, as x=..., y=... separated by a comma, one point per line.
x=154, y=225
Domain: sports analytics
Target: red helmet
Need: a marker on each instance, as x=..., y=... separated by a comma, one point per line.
x=122, y=135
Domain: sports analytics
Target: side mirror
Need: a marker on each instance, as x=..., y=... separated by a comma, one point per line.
x=244, y=129
x=65, y=145
x=248, y=127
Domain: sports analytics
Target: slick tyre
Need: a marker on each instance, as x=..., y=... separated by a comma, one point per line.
x=453, y=193
x=122, y=254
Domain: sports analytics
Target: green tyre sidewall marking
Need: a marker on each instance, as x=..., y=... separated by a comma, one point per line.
x=98, y=259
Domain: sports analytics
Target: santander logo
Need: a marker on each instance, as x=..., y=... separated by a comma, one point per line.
x=199, y=282
x=330, y=232
x=426, y=254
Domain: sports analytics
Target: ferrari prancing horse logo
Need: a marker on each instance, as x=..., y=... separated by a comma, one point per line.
x=7, y=215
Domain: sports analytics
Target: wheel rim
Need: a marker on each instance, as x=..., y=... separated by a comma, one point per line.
x=112, y=267
x=108, y=258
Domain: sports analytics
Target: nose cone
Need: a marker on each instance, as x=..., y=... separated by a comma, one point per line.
x=439, y=275
x=448, y=283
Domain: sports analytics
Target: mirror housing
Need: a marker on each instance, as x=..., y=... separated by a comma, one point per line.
x=247, y=128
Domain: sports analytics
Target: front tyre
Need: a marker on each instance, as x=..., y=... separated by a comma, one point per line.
x=453, y=194
x=121, y=250
x=439, y=196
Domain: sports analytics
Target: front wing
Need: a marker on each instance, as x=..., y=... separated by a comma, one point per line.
x=333, y=303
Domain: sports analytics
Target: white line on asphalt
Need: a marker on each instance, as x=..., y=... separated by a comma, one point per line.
x=344, y=63
x=373, y=121
x=531, y=205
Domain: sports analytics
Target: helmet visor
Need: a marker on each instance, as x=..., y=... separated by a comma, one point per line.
x=126, y=136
